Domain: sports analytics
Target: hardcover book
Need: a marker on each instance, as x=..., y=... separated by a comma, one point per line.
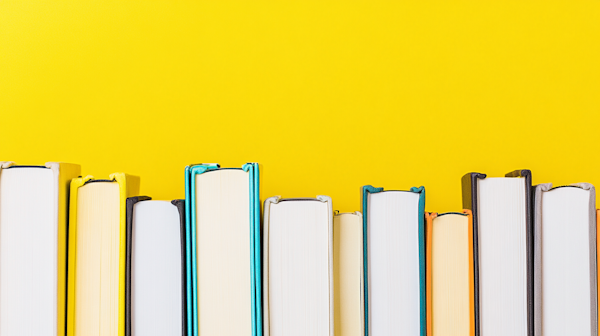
x=502, y=252
x=33, y=247
x=394, y=255
x=566, y=275
x=223, y=250
x=156, y=274
x=298, y=267
x=450, y=292
x=97, y=255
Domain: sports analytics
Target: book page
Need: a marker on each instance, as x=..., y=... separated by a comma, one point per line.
x=156, y=296
x=223, y=252
x=299, y=284
x=393, y=263
x=347, y=274
x=28, y=251
x=502, y=256
x=96, y=275
x=450, y=275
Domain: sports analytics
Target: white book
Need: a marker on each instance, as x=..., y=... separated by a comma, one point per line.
x=155, y=299
x=298, y=267
x=395, y=255
x=566, y=295
x=33, y=224
x=503, y=240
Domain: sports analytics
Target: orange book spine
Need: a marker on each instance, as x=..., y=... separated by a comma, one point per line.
x=429, y=216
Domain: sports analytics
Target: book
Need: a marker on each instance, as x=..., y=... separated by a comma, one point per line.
x=155, y=292
x=450, y=306
x=298, y=267
x=348, y=275
x=33, y=247
x=502, y=252
x=223, y=223
x=96, y=257
x=394, y=255
x=566, y=276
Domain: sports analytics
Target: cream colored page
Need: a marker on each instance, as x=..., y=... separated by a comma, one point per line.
x=97, y=263
x=223, y=253
x=450, y=275
x=347, y=264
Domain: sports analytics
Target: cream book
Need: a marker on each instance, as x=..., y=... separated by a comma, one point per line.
x=223, y=219
x=566, y=298
x=298, y=267
x=348, y=274
x=450, y=305
x=33, y=246
x=97, y=246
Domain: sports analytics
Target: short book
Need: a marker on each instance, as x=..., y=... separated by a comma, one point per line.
x=450, y=292
x=348, y=274
x=298, y=267
x=155, y=292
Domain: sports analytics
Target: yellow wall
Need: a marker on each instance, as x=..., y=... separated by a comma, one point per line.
x=326, y=95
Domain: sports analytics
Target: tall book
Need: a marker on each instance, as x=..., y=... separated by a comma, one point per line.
x=97, y=255
x=502, y=252
x=394, y=255
x=566, y=276
x=33, y=246
x=155, y=292
x=348, y=275
x=223, y=250
x=298, y=267
x=450, y=304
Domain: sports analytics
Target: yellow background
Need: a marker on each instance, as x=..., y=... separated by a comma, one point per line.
x=326, y=95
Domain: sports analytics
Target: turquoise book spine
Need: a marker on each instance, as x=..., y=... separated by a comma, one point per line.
x=365, y=191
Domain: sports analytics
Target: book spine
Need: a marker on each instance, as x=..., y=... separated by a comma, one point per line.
x=365, y=191
x=130, y=203
x=469, y=196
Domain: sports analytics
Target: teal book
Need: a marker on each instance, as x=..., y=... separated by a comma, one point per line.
x=223, y=250
x=394, y=261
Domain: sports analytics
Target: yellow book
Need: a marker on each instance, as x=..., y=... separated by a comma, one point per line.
x=97, y=247
x=348, y=274
x=33, y=232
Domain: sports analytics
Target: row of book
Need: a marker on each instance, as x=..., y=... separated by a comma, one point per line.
x=90, y=257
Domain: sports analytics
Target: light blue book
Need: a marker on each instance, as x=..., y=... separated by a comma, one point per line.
x=394, y=261
x=223, y=250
